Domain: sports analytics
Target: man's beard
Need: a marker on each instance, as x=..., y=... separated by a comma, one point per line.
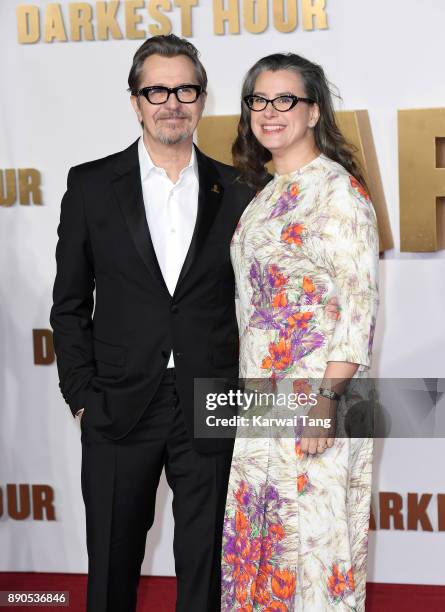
x=178, y=135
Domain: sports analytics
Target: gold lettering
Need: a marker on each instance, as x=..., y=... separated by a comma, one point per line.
x=356, y=128
x=106, y=20
x=255, y=16
x=221, y=15
x=314, y=10
x=132, y=19
x=165, y=26
x=19, y=507
x=391, y=505
x=81, y=15
x=28, y=24
x=8, y=187
x=54, y=26
x=440, y=152
x=282, y=23
x=186, y=16
x=43, y=346
x=29, y=185
x=422, y=179
x=43, y=500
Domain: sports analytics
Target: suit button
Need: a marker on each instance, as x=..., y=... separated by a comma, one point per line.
x=164, y=354
x=174, y=309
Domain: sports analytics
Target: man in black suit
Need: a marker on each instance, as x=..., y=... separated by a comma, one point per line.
x=149, y=230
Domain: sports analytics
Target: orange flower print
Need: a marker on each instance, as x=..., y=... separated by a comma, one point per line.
x=276, y=278
x=241, y=576
x=283, y=583
x=294, y=190
x=359, y=188
x=308, y=285
x=350, y=579
x=240, y=594
x=242, y=494
x=302, y=483
x=340, y=583
x=241, y=522
x=266, y=569
x=267, y=551
x=276, y=532
x=248, y=551
x=336, y=582
x=300, y=319
x=279, y=357
x=286, y=202
x=298, y=450
x=277, y=606
x=242, y=556
x=280, y=300
x=263, y=576
x=247, y=608
x=259, y=594
x=292, y=234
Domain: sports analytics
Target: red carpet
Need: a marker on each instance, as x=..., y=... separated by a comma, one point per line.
x=157, y=594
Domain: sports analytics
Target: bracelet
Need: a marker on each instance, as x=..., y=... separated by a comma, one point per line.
x=332, y=395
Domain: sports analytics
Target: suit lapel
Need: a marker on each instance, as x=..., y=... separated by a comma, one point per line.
x=209, y=202
x=128, y=190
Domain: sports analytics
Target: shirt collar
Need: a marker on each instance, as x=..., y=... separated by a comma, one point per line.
x=146, y=164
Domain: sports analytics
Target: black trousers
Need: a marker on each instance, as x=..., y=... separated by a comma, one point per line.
x=119, y=483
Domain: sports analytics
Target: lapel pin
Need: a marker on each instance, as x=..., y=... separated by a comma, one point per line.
x=216, y=189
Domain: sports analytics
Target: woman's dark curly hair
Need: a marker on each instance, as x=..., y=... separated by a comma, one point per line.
x=250, y=157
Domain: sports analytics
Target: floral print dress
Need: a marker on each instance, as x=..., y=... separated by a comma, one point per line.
x=296, y=526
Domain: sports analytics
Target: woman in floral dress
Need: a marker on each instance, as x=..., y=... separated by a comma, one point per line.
x=297, y=513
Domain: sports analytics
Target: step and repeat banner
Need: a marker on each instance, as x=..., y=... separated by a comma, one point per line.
x=64, y=75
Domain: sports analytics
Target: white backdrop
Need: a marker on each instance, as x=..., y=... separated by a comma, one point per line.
x=65, y=103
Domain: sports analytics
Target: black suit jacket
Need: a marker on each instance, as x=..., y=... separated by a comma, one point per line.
x=112, y=350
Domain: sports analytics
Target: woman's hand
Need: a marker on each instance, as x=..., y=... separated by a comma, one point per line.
x=316, y=439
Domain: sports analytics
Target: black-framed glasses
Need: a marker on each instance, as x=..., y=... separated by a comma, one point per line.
x=186, y=94
x=280, y=103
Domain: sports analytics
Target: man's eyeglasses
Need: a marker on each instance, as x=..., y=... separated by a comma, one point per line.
x=281, y=103
x=186, y=94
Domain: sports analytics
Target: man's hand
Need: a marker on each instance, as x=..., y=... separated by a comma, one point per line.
x=318, y=439
x=333, y=309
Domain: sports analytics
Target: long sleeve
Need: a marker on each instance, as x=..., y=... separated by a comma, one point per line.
x=351, y=255
x=73, y=298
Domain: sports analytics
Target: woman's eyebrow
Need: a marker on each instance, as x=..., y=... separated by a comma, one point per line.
x=282, y=93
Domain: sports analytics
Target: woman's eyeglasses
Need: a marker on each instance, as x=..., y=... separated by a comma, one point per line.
x=280, y=103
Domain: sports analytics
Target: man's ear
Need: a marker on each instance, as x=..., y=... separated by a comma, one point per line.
x=204, y=100
x=137, y=110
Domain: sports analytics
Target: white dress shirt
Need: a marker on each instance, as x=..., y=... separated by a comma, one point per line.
x=171, y=210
